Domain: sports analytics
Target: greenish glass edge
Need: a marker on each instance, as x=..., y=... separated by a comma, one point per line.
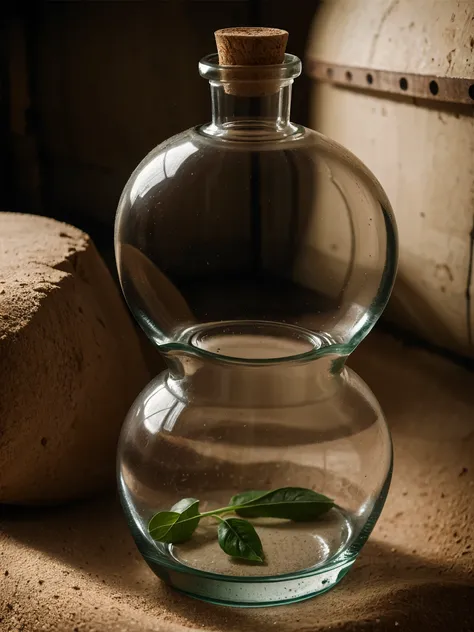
x=266, y=604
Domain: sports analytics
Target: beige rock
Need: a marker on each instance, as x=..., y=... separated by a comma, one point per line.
x=70, y=363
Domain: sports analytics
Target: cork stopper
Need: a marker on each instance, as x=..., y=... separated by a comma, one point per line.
x=251, y=46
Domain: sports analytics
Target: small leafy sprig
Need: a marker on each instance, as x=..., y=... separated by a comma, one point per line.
x=238, y=537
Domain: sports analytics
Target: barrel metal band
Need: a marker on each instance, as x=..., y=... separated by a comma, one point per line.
x=448, y=89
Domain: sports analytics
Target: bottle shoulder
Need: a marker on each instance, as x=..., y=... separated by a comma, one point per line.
x=195, y=152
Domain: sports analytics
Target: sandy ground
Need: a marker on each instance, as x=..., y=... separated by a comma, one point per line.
x=76, y=568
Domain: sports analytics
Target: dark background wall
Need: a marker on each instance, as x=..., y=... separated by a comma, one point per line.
x=89, y=88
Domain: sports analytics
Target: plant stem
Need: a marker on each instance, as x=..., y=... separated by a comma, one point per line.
x=222, y=510
x=218, y=518
x=214, y=514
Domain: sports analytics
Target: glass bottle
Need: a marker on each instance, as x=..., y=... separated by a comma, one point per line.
x=256, y=254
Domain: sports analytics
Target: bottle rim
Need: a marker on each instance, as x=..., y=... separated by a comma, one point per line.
x=210, y=69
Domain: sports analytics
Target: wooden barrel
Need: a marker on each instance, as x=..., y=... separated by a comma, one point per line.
x=394, y=82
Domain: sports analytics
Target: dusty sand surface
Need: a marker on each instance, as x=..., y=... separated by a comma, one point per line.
x=75, y=568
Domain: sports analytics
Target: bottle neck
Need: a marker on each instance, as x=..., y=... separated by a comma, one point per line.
x=265, y=116
x=224, y=384
x=250, y=102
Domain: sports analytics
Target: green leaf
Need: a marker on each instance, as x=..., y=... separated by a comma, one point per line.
x=238, y=538
x=292, y=503
x=246, y=497
x=176, y=525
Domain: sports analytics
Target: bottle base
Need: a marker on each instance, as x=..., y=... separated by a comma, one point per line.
x=249, y=591
x=238, y=584
x=267, y=591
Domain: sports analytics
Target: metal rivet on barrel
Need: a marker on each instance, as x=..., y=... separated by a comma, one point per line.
x=434, y=88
